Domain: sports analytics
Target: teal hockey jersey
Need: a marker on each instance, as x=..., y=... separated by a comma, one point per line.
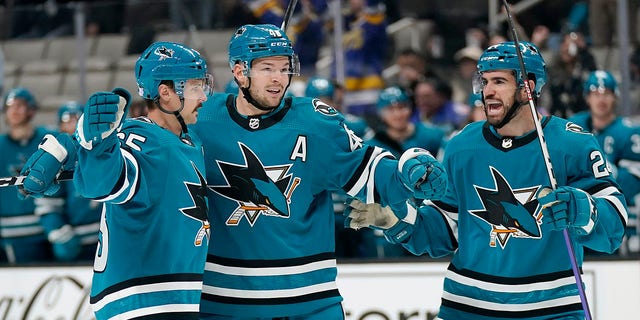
x=21, y=232
x=154, y=226
x=271, y=179
x=506, y=264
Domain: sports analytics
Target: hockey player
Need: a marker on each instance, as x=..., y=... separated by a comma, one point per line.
x=619, y=139
x=399, y=133
x=506, y=237
x=271, y=174
x=21, y=235
x=270, y=177
x=150, y=175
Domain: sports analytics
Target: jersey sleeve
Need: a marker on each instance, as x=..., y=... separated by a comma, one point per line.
x=435, y=231
x=111, y=175
x=365, y=172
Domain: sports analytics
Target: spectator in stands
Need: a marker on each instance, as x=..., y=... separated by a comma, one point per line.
x=365, y=45
x=466, y=60
x=306, y=26
x=410, y=66
x=567, y=70
x=603, y=21
x=434, y=105
x=49, y=20
x=21, y=235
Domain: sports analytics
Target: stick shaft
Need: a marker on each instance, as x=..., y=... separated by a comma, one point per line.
x=287, y=14
x=547, y=161
x=19, y=180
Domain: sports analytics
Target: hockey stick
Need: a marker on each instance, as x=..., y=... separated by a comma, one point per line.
x=19, y=180
x=287, y=14
x=547, y=161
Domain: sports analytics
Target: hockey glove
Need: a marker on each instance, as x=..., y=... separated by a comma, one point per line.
x=568, y=207
x=422, y=174
x=53, y=155
x=102, y=115
x=66, y=246
x=396, y=226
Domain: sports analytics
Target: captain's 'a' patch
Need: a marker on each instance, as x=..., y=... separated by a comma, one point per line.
x=324, y=108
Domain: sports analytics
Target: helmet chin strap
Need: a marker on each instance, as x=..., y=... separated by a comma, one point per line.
x=176, y=113
x=251, y=100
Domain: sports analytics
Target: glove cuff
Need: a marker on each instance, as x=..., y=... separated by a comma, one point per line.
x=52, y=146
x=399, y=232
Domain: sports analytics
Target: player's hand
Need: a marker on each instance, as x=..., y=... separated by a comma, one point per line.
x=396, y=226
x=102, y=115
x=421, y=173
x=568, y=207
x=65, y=243
x=53, y=155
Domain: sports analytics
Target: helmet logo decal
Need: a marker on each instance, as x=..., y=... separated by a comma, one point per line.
x=164, y=52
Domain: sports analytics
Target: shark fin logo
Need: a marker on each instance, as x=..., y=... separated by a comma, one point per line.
x=199, y=211
x=511, y=213
x=257, y=189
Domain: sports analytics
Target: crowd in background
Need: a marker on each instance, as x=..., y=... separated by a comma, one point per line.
x=394, y=97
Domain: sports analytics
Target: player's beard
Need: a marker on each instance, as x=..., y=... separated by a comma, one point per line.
x=266, y=99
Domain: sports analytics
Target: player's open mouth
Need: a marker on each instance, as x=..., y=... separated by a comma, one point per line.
x=493, y=107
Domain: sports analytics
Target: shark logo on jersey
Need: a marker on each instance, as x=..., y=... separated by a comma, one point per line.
x=198, y=191
x=324, y=108
x=511, y=213
x=257, y=189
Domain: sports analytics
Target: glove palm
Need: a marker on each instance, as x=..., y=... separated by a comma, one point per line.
x=396, y=226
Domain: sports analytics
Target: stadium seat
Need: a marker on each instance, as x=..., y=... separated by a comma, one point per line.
x=125, y=78
x=210, y=42
x=21, y=51
x=173, y=36
x=66, y=49
x=111, y=46
x=42, y=85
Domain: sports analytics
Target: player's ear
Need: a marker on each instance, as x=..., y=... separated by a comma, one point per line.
x=164, y=92
x=238, y=73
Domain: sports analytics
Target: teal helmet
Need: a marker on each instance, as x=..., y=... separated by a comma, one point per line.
x=475, y=99
x=169, y=61
x=251, y=42
x=319, y=87
x=20, y=93
x=503, y=56
x=600, y=80
x=68, y=109
x=391, y=95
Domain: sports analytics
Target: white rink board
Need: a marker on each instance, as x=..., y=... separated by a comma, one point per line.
x=372, y=291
